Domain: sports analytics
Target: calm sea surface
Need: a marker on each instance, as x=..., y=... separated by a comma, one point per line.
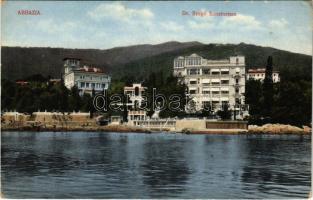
x=120, y=165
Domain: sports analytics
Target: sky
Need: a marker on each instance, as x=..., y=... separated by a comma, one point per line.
x=284, y=25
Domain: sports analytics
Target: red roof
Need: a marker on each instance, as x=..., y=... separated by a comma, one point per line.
x=90, y=69
x=21, y=82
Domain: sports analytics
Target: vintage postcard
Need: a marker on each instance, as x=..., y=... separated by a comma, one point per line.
x=156, y=99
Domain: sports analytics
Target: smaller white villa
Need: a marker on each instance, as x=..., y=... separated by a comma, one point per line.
x=86, y=78
x=259, y=74
x=135, y=95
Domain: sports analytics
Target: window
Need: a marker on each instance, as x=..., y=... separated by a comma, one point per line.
x=193, y=82
x=206, y=84
x=215, y=73
x=206, y=105
x=136, y=91
x=92, y=85
x=192, y=91
x=215, y=83
x=205, y=71
x=193, y=71
x=82, y=84
x=205, y=92
x=225, y=102
x=103, y=85
x=237, y=80
x=215, y=104
x=225, y=81
x=215, y=92
x=225, y=92
x=87, y=85
x=237, y=90
x=225, y=72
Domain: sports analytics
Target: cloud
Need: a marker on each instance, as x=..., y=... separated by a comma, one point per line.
x=52, y=27
x=171, y=26
x=238, y=22
x=200, y=24
x=242, y=21
x=119, y=11
x=280, y=23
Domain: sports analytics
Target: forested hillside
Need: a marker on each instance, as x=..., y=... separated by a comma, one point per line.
x=141, y=60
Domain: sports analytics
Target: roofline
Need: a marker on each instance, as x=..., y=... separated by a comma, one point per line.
x=71, y=58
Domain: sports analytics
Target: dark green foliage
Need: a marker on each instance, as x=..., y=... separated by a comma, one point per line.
x=42, y=96
x=253, y=96
x=74, y=100
x=224, y=113
x=294, y=103
x=268, y=90
x=168, y=87
x=286, y=102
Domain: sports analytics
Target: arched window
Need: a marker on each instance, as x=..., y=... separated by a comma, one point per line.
x=136, y=91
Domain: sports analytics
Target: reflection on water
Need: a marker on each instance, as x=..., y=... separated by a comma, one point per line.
x=115, y=165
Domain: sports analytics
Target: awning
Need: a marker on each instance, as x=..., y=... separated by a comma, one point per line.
x=225, y=79
x=225, y=89
x=215, y=70
x=224, y=99
x=205, y=80
x=225, y=70
x=215, y=89
x=215, y=80
x=206, y=89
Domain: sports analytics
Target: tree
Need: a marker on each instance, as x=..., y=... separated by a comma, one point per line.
x=225, y=113
x=253, y=96
x=63, y=98
x=294, y=103
x=74, y=99
x=268, y=91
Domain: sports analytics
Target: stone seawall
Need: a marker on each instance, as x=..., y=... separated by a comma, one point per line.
x=110, y=128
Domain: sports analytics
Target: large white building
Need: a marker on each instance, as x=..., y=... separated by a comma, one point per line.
x=259, y=74
x=212, y=82
x=85, y=78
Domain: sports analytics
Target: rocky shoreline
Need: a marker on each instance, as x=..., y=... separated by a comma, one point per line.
x=279, y=129
x=273, y=129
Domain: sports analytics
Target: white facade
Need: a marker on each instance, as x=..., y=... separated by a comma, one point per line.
x=212, y=82
x=259, y=74
x=85, y=78
x=135, y=94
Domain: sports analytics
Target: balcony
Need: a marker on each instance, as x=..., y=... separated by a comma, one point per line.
x=237, y=76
